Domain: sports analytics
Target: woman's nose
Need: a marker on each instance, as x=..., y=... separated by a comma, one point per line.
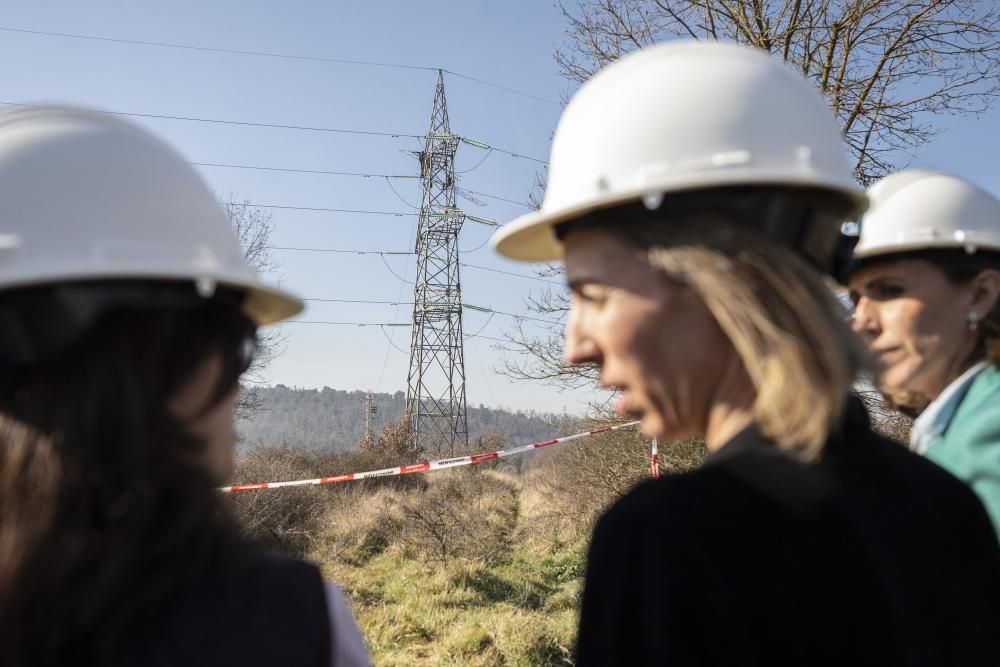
x=579, y=348
x=864, y=320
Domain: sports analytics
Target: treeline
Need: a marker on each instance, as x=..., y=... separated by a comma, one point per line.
x=333, y=420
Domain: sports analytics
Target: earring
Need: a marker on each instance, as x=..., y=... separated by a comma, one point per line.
x=973, y=320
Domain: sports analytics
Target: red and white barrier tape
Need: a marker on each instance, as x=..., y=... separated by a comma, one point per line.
x=424, y=466
x=655, y=462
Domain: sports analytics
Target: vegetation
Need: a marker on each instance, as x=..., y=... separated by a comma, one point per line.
x=470, y=566
x=331, y=419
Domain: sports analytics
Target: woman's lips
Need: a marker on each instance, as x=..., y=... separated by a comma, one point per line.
x=886, y=352
x=621, y=405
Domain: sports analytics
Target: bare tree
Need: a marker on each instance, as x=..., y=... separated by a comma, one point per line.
x=887, y=67
x=253, y=228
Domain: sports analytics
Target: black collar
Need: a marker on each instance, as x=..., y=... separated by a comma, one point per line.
x=752, y=438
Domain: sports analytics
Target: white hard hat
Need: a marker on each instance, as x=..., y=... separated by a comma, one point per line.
x=85, y=197
x=683, y=116
x=920, y=209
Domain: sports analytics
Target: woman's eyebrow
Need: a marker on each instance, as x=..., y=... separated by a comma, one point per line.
x=579, y=282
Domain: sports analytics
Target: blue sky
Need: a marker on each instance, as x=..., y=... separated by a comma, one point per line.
x=509, y=43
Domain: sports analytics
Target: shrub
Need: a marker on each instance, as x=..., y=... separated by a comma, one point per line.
x=289, y=520
x=569, y=485
x=463, y=513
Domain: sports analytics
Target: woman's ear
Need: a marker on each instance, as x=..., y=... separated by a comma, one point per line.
x=985, y=292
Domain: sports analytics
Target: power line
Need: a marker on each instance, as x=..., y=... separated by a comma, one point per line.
x=292, y=170
x=385, y=303
x=511, y=273
x=375, y=324
x=390, y=337
x=517, y=155
x=482, y=245
x=399, y=196
x=224, y=121
x=516, y=316
x=400, y=278
x=319, y=208
x=359, y=174
x=488, y=320
x=510, y=201
x=304, y=128
x=498, y=340
x=351, y=324
x=467, y=306
x=498, y=86
x=271, y=54
x=343, y=251
x=478, y=164
x=381, y=252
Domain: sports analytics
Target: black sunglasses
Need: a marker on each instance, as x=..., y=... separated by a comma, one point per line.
x=245, y=352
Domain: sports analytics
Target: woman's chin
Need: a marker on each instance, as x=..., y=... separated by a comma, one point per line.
x=651, y=426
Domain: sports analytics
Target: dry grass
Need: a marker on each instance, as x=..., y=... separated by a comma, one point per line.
x=566, y=489
x=468, y=566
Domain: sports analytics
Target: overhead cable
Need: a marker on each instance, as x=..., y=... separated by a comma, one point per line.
x=385, y=303
x=467, y=306
x=272, y=54
x=349, y=324
x=326, y=172
x=359, y=174
x=385, y=252
x=223, y=121
x=343, y=251
x=511, y=273
x=319, y=208
x=283, y=126
x=376, y=324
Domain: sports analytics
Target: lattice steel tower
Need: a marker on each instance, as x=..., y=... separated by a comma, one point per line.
x=435, y=393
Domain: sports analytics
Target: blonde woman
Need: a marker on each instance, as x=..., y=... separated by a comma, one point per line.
x=694, y=190
x=926, y=290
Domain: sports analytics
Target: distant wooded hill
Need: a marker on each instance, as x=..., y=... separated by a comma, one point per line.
x=331, y=419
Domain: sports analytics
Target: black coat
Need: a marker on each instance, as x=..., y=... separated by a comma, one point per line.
x=873, y=556
x=269, y=611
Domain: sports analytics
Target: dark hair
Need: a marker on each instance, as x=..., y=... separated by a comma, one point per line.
x=960, y=268
x=106, y=513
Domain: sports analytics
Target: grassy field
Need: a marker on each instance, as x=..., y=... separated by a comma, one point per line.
x=521, y=613
x=453, y=573
x=469, y=566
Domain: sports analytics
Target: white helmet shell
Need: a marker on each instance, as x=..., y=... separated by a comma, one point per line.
x=87, y=196
x=919, y=209
x=682, y=116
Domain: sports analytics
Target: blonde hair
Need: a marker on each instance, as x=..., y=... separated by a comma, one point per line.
x=788, y=328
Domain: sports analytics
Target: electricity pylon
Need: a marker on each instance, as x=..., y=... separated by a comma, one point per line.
x=435, y=393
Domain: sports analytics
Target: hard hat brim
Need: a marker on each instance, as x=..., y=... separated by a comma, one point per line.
x=263, y=304
x=902, y=248
x=268, y=305
x=532, y=237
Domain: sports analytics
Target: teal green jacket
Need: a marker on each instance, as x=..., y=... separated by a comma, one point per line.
x=969, y=447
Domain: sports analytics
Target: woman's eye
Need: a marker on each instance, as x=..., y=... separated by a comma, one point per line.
x=887, y=291
x=593, y=296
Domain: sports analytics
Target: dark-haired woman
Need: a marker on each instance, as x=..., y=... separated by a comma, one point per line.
x=926, y=290
x=127, y=315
